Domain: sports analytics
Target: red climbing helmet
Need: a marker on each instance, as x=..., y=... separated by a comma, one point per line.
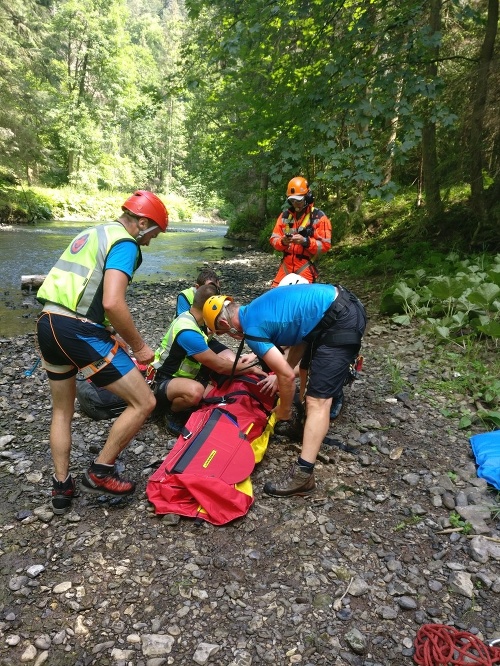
x=147, y=204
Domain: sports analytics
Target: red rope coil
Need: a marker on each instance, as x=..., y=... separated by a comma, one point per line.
x=442, y=645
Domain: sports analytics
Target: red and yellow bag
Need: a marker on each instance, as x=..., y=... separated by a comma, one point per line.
x=207, y=473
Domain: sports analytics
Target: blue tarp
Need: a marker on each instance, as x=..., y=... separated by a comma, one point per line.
x=486, y=449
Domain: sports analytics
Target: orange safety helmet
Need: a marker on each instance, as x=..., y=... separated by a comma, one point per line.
x=147, y=204
x=297, y=188
x=212, y=309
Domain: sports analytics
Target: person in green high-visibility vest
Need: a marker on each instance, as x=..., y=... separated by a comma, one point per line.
x=84, y=306
x=187, y=358
x=186, y=297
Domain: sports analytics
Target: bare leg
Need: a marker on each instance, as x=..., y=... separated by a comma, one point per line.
x=63, y=406
x=141, y=402
x=315, y=427
x=184, y=393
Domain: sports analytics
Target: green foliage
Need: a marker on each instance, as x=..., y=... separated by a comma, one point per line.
x=265, y=235
x=28, y=205
x=495, y=508
x=21, y=205
x=456, y=307
x=457, y=521
x=246, y=220
x=472, y=372
x=393, y=370
x=408, y=522
x=231, y=103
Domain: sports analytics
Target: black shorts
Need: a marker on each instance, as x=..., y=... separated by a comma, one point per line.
x=68, y=344
x=329, y=365
x=328, y=370
x=160, y=391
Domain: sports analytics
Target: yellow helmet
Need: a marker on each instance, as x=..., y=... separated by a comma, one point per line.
x=212, y=309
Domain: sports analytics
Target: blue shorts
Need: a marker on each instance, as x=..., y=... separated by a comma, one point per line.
x=68, y=344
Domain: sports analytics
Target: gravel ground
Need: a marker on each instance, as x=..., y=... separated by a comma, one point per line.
x=346, y=576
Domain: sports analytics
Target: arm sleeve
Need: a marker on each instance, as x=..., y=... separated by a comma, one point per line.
x=122, y=258
x=192, y=342
x=321, y=240
x=182, y=305
x=277, y=235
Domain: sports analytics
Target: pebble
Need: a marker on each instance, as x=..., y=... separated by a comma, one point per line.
x=344, y=577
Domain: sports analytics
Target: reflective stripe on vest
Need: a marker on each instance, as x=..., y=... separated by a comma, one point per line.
x=188, y=367
x=77, y=276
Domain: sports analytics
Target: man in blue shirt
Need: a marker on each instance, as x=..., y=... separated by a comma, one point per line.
x=323, y=325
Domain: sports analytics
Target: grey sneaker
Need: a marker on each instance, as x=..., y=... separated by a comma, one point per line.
x=296, y=482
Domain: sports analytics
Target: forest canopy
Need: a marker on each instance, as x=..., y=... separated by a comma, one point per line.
x=235, y=97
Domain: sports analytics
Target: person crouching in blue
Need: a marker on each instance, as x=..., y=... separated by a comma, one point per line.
x=323, y=325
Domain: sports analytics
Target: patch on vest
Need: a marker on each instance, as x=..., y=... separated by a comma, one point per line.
x=78, y=244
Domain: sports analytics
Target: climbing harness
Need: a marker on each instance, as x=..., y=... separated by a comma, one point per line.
x=322, y=333
x=442, y=645
x=87, y=371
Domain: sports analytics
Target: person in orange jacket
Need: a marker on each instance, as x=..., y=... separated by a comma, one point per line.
x=302, y=233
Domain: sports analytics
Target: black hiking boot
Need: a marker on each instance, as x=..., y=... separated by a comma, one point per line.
x=175, y=427
x=176, y=421
x=62, y=494
x=292, y=430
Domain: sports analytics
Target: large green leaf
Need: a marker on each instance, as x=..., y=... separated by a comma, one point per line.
x=494, y=417
x=404, y=294
x=445, y=287
x=443, y=332
x=404, y=320
x=388, y=304
x=485, y=294
x=491, y=329
x=494, y=274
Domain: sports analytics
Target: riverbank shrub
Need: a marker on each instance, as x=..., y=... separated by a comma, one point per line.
x=24, y=206
x=21, y=205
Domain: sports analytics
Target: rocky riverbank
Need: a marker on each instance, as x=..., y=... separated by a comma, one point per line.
x=399, y=533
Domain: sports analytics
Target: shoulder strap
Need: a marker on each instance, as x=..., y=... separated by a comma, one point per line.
x=256, y=338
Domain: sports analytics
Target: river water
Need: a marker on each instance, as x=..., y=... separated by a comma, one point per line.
x=33, y=250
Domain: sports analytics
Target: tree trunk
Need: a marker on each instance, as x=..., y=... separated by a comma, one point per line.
x=71, y=163
x=479, y=96
x=433, y=202
x=393, y=135
x=264, y=185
